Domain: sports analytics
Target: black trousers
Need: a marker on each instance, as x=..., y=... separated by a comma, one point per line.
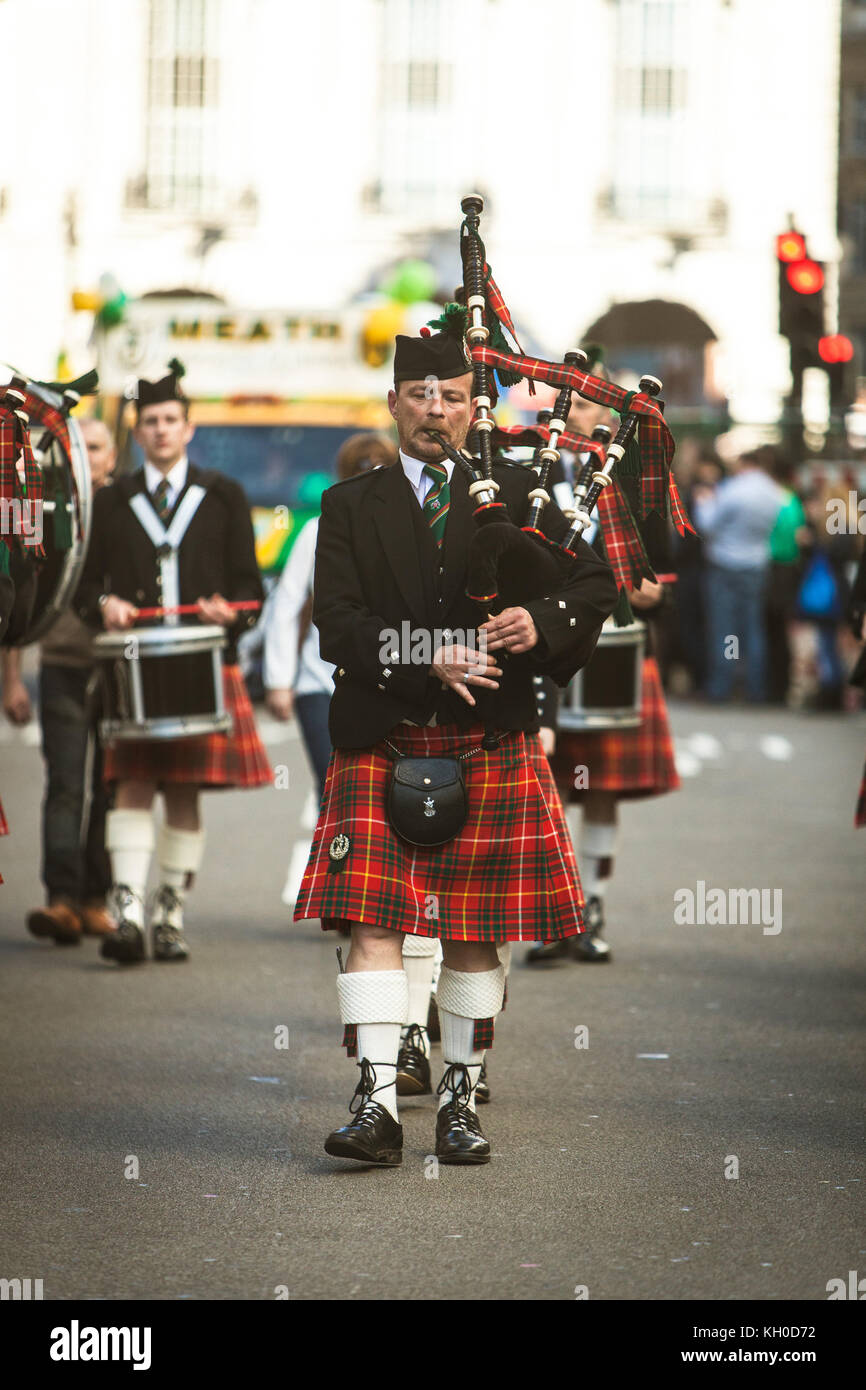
x=75, y=864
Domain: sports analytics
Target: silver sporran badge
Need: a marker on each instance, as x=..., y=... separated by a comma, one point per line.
x=338, y=848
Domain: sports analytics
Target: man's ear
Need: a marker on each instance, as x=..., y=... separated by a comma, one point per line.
x=189, y=431
x=392, y=402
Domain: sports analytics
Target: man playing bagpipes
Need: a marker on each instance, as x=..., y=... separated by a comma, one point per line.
x=166, y=537
x=415, y=691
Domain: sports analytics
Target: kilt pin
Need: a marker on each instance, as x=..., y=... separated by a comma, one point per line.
x=633, y=763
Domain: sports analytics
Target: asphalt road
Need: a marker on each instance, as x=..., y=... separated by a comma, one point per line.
x=706, y=1044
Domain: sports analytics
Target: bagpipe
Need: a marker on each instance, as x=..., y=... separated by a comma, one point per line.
x=45, y=504
x=509, y=564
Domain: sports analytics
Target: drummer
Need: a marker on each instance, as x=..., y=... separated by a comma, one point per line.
x=619, y=764
x=206, y=559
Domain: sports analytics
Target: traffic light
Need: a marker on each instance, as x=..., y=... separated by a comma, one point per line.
x=835, y=351
x=801, y=305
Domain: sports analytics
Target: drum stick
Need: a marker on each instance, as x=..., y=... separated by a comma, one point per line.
x=244, y=605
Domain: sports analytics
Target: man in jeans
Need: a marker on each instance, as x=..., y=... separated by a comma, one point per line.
x=735, y=520
x=75, y=867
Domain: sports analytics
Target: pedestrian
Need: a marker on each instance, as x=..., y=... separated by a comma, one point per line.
x=617, y=764
x=297, y=680
x=134, y=560
x=786, y=539
x=689, y=559
x=857, y=620
x=75, y=868
x=391, y=561
x=736, y=519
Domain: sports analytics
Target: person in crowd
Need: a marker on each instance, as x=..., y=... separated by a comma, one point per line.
x=786, y=539
x=735, y=520
x=830, y=546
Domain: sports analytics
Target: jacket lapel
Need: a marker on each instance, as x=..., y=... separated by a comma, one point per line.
x=392, y=501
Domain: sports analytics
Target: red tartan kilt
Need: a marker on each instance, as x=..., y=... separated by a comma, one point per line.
x=631, y=762
x=510, y=875
x=860, y=813
x=233, y=759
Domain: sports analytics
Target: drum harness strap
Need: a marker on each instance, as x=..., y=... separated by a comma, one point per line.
x=167, y=540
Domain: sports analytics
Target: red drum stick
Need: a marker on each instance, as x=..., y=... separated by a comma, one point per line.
x=244, y=605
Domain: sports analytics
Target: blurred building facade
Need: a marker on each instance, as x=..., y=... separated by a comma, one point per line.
x=638, y=158
x=852, y=178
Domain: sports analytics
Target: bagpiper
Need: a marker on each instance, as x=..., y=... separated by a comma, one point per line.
x=414, y=688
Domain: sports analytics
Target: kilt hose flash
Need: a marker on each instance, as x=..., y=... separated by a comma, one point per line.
x=510, y=874
x=233, y=759
x=631, y=762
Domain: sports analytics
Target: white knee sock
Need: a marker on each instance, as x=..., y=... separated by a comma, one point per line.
x=377, y=1001
x=129, y=839
x=419, y=962
x=179, y=853
x=597, y=843
x=463, y=997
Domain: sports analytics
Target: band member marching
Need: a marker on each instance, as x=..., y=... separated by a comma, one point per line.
x=625, y=763
x=392, y=560
x=170, y=535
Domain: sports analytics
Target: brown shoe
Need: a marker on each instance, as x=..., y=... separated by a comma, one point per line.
x=96, y=920
x=59, y=922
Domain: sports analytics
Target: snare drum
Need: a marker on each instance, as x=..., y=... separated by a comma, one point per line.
x=607, y=693
x=162, y=682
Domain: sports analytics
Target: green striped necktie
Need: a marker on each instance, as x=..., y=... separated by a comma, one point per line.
x=437, y=501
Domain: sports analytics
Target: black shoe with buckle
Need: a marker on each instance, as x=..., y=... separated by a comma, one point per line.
x=589, y=945
x=413, y=1064
x=126, y=945
x=169, y=942
x=373, y=1136
x=458, y=1134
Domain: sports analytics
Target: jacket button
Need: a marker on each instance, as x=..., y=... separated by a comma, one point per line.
x=139, y=593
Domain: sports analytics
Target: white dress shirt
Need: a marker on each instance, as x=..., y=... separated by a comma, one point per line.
x=421, y=482
x=176, y=479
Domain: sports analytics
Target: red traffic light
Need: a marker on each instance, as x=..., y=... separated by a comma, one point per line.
x=835, y=348
x=791, y=246
x=806, y=277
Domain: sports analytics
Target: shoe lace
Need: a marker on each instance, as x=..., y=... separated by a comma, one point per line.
x=457, y=1080
x=124, y=898
x=365, y=1090
x=167, y=897
x=413, y=1038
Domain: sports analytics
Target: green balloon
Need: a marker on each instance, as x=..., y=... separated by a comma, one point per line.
x=111, y=312
x=412, y=280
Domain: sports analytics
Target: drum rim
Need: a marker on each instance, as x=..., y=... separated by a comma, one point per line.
x=166, y=727
x=184, y=639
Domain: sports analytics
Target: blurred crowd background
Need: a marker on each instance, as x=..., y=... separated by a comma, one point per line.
x=271, y=190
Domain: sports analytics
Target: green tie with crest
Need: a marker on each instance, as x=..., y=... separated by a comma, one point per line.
x=437, y=501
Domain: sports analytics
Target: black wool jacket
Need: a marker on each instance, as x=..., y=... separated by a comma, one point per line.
x=216, y=556
x=377, y=568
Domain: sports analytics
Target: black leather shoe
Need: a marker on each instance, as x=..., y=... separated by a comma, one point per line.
x=545, y=951
x=126, y=945
x=169, y=944
x=413, y=1065
x=458, y=1134
x=482, y=1086
x=589, y=946
x=372, y=1135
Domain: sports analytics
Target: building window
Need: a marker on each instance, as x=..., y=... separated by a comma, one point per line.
x=182, y=99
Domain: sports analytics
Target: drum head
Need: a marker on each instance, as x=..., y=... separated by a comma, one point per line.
x=44, y=586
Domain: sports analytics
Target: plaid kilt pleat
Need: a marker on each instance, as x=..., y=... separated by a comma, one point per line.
x=510, y=875
x=233, y=759
x=631, y=762
x=860, y=813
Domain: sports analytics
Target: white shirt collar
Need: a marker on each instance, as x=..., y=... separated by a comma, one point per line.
x=414, y=468
x=176, y=476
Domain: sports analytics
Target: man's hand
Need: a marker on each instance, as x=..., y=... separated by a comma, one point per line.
x=456, y=666
x=118, y=614
x=16, y=703
x=647, y=596
x=512, y=629
x=216, y=610
x=281, y=703
x=548, y=741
